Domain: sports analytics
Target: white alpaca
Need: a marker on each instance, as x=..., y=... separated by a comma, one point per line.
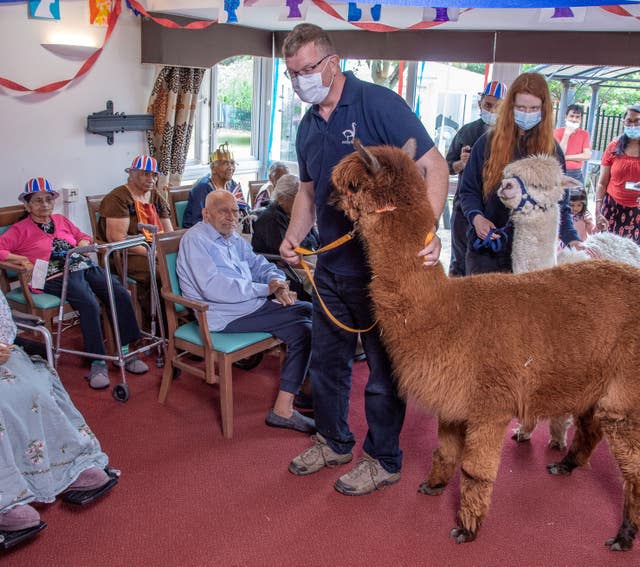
x=535, y=216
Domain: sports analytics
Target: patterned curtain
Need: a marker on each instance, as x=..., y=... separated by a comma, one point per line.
x=173, y=103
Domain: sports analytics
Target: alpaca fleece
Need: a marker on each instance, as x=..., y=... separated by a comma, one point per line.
x=478, y=351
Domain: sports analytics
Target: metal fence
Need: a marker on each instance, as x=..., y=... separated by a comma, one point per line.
x=606, y=128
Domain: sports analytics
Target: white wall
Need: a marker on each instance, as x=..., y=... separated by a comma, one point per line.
x=45, y=134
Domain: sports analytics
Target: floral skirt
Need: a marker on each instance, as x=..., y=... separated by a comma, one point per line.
x=623, y=221
x=44, y=441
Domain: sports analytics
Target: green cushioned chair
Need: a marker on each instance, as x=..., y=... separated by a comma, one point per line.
x=219, y=350
x=178, y=199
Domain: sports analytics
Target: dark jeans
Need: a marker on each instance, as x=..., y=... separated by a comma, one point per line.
x=331, y=359
x=576, y=174
x=459, y=228
x=292, y=325
x=84, y=289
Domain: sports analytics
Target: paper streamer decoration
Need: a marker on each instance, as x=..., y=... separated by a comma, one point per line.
x=52, y=87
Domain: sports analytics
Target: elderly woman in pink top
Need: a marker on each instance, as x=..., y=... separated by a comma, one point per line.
x=46, y=237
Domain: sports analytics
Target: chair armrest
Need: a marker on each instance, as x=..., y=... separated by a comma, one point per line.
x=191, y=303
x=26, y=318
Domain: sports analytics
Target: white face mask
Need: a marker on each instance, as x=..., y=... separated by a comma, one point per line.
x=489, y=118
x=571, y=125
x=310, y=88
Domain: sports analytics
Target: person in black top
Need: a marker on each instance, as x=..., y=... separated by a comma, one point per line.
x=457, y=156
x=272, y=224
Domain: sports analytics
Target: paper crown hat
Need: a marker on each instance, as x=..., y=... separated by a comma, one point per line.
x=37, y=185
x=223, y=152
x=495, y=88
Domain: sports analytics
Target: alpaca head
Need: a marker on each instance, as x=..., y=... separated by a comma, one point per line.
x=378, y=179
x=533, y=183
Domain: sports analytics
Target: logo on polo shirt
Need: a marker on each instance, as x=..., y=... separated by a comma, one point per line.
x=349, y=134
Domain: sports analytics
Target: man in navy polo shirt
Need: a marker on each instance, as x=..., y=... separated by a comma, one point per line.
x=345, y=108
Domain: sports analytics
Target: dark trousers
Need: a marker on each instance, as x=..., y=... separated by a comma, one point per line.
x=290, y=324
x=486, y=262
x=459, y=228
x=331, y=360
x=84, y=288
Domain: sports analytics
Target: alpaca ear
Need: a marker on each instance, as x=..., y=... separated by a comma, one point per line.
x=370, y=161
x=410, y=148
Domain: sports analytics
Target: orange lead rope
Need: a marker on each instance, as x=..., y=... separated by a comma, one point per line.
x=307, y=270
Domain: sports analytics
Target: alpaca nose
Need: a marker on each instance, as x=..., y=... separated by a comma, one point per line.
x=507, y=190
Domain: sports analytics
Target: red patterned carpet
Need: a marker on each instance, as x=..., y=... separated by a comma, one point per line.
x=187, y=497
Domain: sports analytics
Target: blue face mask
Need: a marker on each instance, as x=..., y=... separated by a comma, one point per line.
x=488, y=117
x=527, y=120
x=632, y=132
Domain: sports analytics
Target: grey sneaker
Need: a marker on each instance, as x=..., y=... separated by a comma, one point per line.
x=316, y=457
x=98, y=376
x=367, y=476
x=133, y=365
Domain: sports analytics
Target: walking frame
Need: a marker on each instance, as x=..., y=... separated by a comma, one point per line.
x=120, y=391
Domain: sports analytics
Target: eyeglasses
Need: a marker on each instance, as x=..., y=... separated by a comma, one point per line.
x=228, y=212
x=305, y=70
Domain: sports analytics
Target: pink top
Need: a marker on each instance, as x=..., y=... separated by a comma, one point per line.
x=26, y=238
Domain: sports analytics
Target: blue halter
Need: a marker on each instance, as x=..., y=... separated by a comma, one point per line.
x=526, y=198
x=494, y=244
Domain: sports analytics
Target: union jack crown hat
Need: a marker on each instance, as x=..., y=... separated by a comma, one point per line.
x=143, y=163
x=37, y=185
x=495, y=88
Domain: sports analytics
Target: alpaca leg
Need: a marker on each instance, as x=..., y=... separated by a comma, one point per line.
x=586, y=438
x=524, y=430
x=445, y=458
x=480, y=461
x=623, y=434
x=558, y=428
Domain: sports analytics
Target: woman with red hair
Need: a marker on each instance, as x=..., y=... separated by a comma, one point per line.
x=524, y=127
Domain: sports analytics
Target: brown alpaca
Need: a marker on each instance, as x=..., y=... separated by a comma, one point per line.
x=481, y=350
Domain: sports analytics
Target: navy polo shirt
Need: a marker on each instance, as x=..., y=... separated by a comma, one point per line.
x=376, y=116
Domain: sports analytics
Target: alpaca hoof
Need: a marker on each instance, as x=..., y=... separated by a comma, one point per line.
x=559, y=469
x=521, y=436
x=623, y=540
x=618, y=544
x=462, y=535
x=557, y=445
x=436, y=490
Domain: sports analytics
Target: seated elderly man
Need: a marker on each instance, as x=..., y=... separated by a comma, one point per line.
x=223, y=166
x=264, y=195
x=216, y=265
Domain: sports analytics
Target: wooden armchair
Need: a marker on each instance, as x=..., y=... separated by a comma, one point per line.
x=254, y=187
x=218, y=349
x=178, y=199
x=42, y=305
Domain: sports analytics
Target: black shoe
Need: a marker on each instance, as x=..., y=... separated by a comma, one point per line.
x=297, y=422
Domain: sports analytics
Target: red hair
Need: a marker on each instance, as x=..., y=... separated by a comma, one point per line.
x=504, y=138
